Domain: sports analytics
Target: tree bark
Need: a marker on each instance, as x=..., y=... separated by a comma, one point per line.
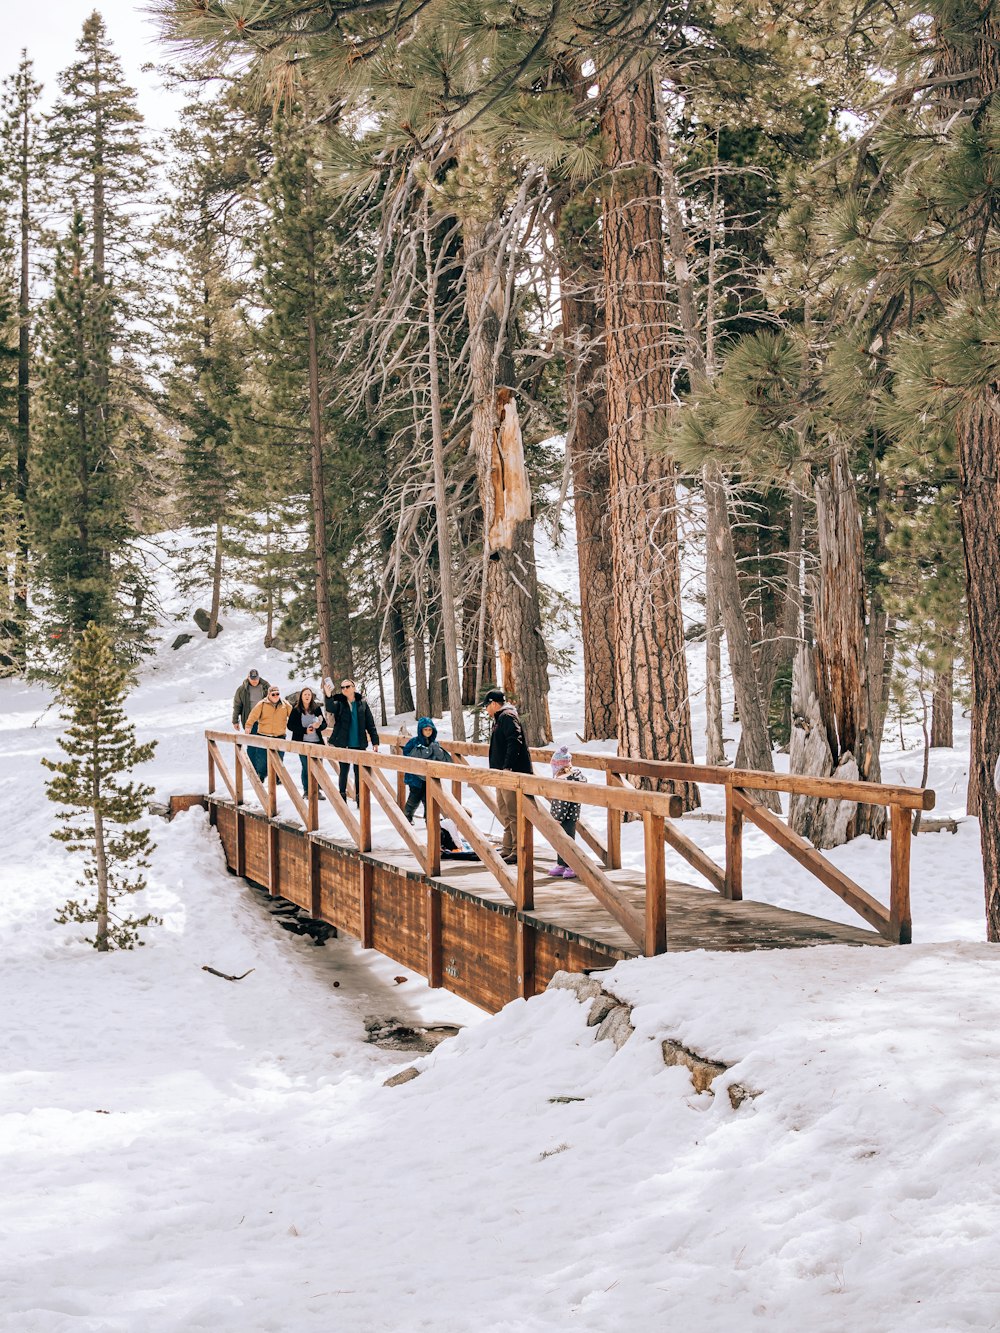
x=587, y=444
x=399, y=655
x=755, y=744
x=979, y=470
x=504, y=492
x=449, y=616
x=943, y=708
x=420, y=672
x=715, y=750
x=653, y=706
x=843, y=685
x=213, y=615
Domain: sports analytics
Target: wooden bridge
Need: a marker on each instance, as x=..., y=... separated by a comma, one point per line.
x=491, y=932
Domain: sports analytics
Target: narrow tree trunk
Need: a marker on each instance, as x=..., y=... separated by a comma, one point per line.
x=943, y=709
x=23, y=443
x=100, y=862
x=979, y=468
x=321, y=572
x=213, y=615
x=505, y=493
x=654, y=714
x=587, y=443
x=420, y=672
x=448, y=610
x=399, y=654
x=715, y=750
x=755, y=744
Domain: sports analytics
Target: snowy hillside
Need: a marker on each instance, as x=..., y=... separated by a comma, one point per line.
x=182, y=1152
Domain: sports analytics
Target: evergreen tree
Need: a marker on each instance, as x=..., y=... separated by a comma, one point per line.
x=101, y=810
x=82, y=533
x=21, y=183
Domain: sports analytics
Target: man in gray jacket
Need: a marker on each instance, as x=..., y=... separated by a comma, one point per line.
x=247, y=697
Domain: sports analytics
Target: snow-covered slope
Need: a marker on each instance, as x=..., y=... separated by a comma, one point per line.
x=182, y=1152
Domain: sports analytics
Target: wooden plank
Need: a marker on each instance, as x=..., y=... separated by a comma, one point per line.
x=283, y=776
x=364, y=813
x=238, y=774
x=806, y=855
x=655, y=941
x=378, y=786
x=273, y=877
x=524, y=958
x=901, y=833
x=315, y=880
x=220, y=767
x=592, y=840
x=251, y=772
x=732, y=886
x=525, y=847
x=434, y=965
x=432, y=814
x=346, y=815
x=590, y=876
x=211, y=769
x=366, y=877
x=694, y=855
x=312, y=823
x=241, y=844
x=486, y=852
x=271, y=808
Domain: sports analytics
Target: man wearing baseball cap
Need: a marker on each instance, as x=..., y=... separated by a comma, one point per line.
x=508, y=750
x=247, y=697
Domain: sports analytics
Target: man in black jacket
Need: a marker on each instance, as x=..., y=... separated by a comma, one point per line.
x=508, y=751
x=351, y=725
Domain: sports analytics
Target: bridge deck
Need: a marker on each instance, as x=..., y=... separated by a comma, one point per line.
x=697, y=918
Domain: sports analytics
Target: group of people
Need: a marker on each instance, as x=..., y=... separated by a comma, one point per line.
x=343, y=719
x=343, y=715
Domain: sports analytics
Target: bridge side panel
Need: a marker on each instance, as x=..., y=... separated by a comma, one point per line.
x=478, y=944
x=339, y=891
x=293, y=868
x=225, y=824
x=256, y=845
x=399, y=917
x=553, y=954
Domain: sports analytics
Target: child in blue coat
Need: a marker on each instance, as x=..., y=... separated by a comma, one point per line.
x=424, y=745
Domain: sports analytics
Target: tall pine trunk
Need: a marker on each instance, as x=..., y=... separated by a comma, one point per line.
x=587, y=442
x=943, y=708
x=321, y=571
x=213, y=615
x=653, y=707
x=979, y=469
x=505, y=492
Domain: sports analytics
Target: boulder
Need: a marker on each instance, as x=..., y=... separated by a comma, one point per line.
x=404, y=1076
x=181, y=640
x=582, y=986
x=617, y=1026
x=703, y=1072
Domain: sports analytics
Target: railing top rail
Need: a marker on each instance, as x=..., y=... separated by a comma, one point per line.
x=608, y=798
x=865, y=793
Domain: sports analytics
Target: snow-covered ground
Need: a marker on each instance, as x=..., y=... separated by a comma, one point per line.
x=182, y=1152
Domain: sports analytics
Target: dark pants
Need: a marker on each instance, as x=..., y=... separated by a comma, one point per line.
x=415, y=796
x=344, y=772
x=259, y=757
x=569, y=826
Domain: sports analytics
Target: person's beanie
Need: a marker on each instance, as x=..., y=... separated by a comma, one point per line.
x=562, y=758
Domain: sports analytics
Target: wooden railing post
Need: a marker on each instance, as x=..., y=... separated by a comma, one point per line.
x=433, y=815
x=211, y=772
x=656, y=886
x=525, y=847
x=901, y=834
x=614, y=858
x=312, y=793
x=272, y=787
x=238, y=773
x=734, y=849
x=364, y=810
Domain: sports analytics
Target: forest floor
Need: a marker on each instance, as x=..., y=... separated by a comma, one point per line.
x=182, y=1152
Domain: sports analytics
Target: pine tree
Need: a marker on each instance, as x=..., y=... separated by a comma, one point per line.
x=82, y=533
x=21, y=182
x=101, y=810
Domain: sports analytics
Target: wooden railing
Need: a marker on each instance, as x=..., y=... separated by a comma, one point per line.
x=618, y=797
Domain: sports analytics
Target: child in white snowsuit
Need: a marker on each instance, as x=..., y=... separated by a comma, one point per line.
x=567, y=812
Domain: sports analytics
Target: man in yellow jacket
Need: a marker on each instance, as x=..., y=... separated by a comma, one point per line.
x=268, y=718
